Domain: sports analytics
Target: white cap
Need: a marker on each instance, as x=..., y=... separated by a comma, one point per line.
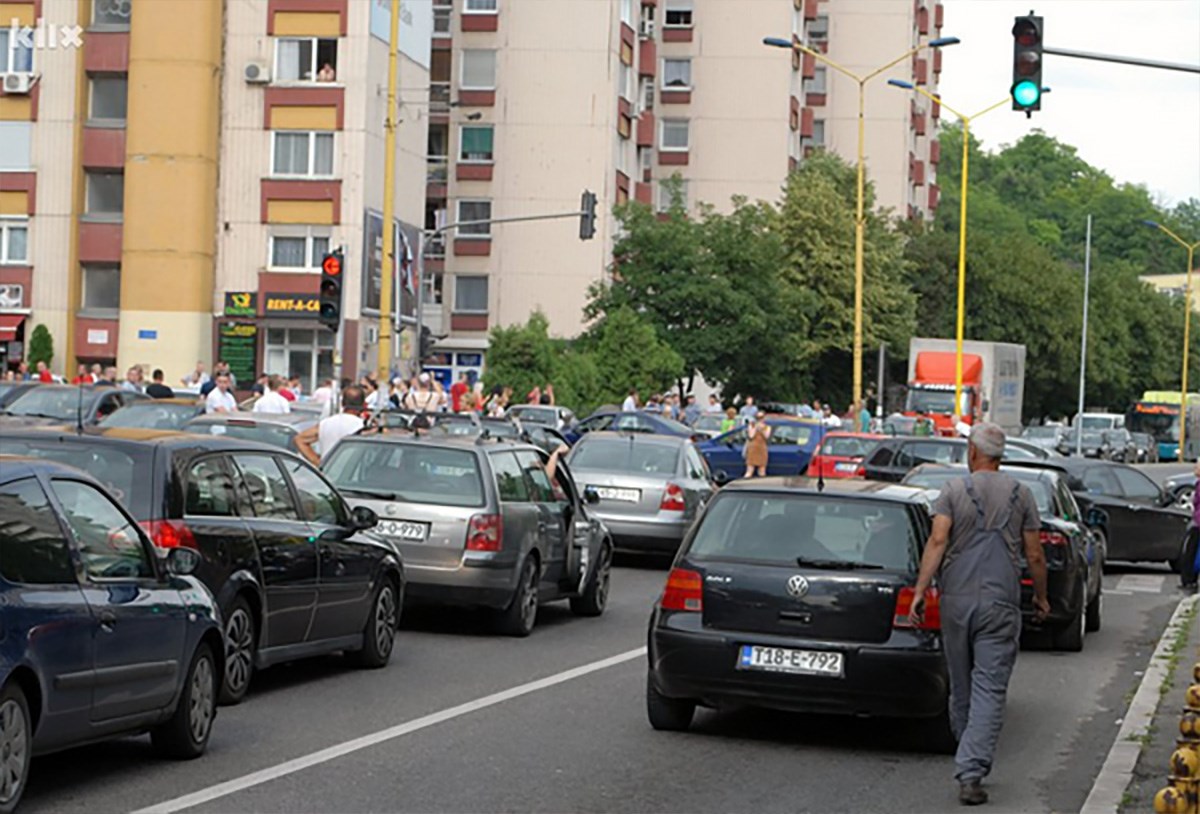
x=423, y=378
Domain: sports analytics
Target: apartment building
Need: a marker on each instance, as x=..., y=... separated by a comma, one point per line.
x=171, y=175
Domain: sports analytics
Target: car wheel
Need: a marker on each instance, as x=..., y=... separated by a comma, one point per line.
x=379, y=634
x=16, y=746
x=1094, y=608
x=185, y=734
x=1070, y=636
x=594, y=598
x=241, y=639
x=520, y=616
x=667, y=714
x=1101, y=544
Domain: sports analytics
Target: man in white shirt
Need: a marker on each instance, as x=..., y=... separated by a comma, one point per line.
x=631, y=402
x=271, y=401
x=329, y=431
x=219, y=399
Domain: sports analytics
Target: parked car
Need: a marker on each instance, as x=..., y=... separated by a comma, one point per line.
x=892, y=458
x=631, y=421
x=1074, y=555
x=277, y=429
x=9, y=391
x=1093, y=445
x=650, y=487
x=786, y=597
x=480, y=523
x=547, y=438
x=553, y=416
x=1182, y=488
x=50, y=404
x=155, y=414
x=1120, y=446
x=1147, y=448
x=898, y=424
x=841, y=454
x=287, y=560
x=708, y=425
x=791, y=447
x=102, y=639
x=1045, y=436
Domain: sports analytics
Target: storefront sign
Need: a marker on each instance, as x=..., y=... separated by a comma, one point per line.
x=292, y=305
x=97, y=336
x=241, y=304
x=238, y=345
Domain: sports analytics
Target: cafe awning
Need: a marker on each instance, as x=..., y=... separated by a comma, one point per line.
x=9, y=323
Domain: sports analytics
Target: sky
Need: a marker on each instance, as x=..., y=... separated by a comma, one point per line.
x=1140, y=125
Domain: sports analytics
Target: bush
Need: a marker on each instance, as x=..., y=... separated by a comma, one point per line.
x=41, y=347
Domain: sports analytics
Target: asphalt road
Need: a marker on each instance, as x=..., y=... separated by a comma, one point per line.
x=579, y=741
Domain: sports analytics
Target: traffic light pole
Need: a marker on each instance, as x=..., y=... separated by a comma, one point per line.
x=1143, y=63
x=388, y=261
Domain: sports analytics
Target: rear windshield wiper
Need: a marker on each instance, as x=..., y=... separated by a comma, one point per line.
x=834, y=565
x=368, y=493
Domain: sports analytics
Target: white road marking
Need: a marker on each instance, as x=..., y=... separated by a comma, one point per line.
x=253, y=779
x=1142, y=583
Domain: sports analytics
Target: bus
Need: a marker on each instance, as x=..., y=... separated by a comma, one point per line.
x=1158, y=414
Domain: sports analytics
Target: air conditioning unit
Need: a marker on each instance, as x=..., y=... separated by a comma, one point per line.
x=18, y=83
x=257, y=73
x=646, y=29
x=12, y=295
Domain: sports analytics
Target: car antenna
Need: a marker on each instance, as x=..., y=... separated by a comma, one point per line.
x=79, y=410
x=820, y=463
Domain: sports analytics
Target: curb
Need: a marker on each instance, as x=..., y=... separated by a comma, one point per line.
x=1117, y=771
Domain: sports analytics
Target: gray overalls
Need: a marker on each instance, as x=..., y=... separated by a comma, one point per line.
x=981, y=628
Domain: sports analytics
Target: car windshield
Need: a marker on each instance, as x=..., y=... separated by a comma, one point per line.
x=708, y=422
x=496, y=429
x=1114, y=436
x=1095, y=422
x=411, y=473
x=782, y=529
x=276, y=435
x=1093, y=438
x=625, y=455
x=931, y=401
x=847, y=447
x=62, y=403
x=123, y=471
x=1040, y=432
x=537, y=415
x=151, y=415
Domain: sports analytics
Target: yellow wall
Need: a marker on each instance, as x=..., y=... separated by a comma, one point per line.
x=303, y=117
x=316, y=212
x=307, y=24
x=21, y=12
x=14, y=203
x=15, y=108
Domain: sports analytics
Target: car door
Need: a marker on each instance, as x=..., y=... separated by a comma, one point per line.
x=725, y=455
x=344, y=565
x=554, y=530
x=140, y=621
x=1161, y=530
x=697, y=481
x=221, y=535
x=40, y=592
x=519, y=514
x=1104, y=493
x=788, y=452
x=287, y=551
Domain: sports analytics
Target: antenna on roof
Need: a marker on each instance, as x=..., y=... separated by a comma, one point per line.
x=79, y=410
x=820, y=462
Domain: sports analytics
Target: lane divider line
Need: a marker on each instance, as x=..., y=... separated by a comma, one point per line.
x=216, y=792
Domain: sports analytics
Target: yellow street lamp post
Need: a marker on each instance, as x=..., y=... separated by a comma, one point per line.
x=960, y=319
x=1187, y=324
x=860, y=217
x=388, y=264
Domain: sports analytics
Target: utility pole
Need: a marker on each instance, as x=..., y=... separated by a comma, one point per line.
x=387, y=269
x=1087, y=281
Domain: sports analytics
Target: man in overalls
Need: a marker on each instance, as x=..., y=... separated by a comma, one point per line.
x=981, y=525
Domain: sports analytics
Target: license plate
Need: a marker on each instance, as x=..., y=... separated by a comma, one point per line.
x=405, y=530
x=625, y=495
x=786, y=660
x=847, y=467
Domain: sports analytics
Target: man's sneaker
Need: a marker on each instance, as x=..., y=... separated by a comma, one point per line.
x=972, y=794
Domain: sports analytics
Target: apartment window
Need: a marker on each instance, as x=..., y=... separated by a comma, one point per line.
x=818, y=132
x=14, y=240
x=817, y=30
x=669, y=195
x=674, y=135
x=627, y=79
x=306, y=59
x=475, y=211
x=105, y=193
x=480, y=6
x=646, y=93
x=109, y=95
x=15, y=57
x=476, y=143
x=298, y=251
x=678, y=14
x=307, y=154
x=112, y=12
x=677, y=74
x=819, y=78
x=471, y=293
x=478, y=69
x=645, y=162
x=16, y=146
x=627, y=12
x=101, y=288
x=441, y=21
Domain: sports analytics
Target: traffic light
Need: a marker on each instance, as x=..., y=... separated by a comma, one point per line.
x=426, y=343
x=587, y=215
x=1027, y=64
x=331, y=290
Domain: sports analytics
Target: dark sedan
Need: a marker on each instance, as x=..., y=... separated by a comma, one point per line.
x=9, y=391
x=277, y=429
x=632, y=421
x=1182, y=489
x=787, y=597
x=155, y=414
x=539, y=435
x=49, y=404
x=100, y=639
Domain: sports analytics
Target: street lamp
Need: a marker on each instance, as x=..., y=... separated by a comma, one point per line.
x=860, y=218
x=962, y=227
x=1187, y=323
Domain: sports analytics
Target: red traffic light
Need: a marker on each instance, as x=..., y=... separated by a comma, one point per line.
x=332, y=264
x=1026, y=32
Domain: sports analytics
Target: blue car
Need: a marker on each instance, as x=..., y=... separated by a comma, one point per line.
x=792, y=444
x=632, y=421
x=100, y=638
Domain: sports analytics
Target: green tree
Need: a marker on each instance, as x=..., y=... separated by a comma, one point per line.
x=521, y=356
x=41, y=346
x=627, y=352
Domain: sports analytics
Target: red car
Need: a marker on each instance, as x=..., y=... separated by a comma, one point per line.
x=841, y=454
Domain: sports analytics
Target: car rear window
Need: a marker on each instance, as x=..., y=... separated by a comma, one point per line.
x=122, y=470
x=847, y=447
x=613, y=455
x=273, y=434
x=778, y=529
x=411, y=473
x=151, y=415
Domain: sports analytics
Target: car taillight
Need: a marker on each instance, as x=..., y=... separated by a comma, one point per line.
x=930, y=620
x=861, y=472
x=485, y=532
x=1052, y=538
x=169, y=533
x=683, y=592
x=672, y=500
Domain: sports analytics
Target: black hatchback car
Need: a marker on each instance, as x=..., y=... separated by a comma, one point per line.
x=83, y=405
x=893, y=458
x=280, y=549
x=788, y=597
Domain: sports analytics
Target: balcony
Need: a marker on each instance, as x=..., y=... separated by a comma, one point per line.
x=437, y=169
x=442, y=16
x=435, y=247
x=439, y=97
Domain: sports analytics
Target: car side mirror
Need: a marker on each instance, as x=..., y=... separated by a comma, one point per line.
x=721, y=478
x=591, y=496
x=362, y=517
x=182, y=561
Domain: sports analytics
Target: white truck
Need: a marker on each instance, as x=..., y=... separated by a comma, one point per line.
x=993, y=379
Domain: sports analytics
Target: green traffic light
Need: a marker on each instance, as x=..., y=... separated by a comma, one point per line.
x=1026, y=93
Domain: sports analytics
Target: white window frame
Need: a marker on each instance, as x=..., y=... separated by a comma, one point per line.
x=310, y=236
x=314, y=67
x=679, y=5
x=627, y=81
x=8, y=55
x=665, y=206
x=646, y=92
x=685, y=60
x=459, y=233
x=627, y=15
x=92, y=96
x=662, y=133
x=814, y=140
x=462, y=159
x=821, y=87
x=107, y=26
x=468, y=10
x=8, y=225
x=312, y=153
x=459, y=310
x=462, y=65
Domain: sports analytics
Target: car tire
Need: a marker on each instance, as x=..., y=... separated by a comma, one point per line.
x=1069, y=637
x=1185, y=496
x=379, y=633
x=667, y=714
x=16, y=741
x=520, y=616
x=185, y=735
x=936, y=734
x=241, y=645
x=1094, y=610
x=1101, y=544
x=594, y=598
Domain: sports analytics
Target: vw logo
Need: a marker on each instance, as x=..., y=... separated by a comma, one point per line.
x=797, y=586
x=390, y=508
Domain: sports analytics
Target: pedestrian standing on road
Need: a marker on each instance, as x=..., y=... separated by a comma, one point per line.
x=23, y=372
x=923, y=426
x=328, y=431
x=43, y=373
x=714, y=406
x=864, y=417
x=757, y=450
x=219, y=399
x=81, y=375
x=457, y=391
x=324, y=393
x=156, y=389
x=691, y=412
x=982, y=524
x=730, y=421
x=422, y=398
x=196, y=378
x=133, y=380
x=547, y=399
x=534, y=396
x=272, y=401
x=1187, y=570
x=631, y=401
x=749, y=412
x=829, y=419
